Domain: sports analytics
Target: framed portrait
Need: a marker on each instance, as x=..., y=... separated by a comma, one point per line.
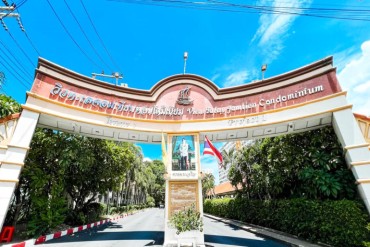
x=183, y=153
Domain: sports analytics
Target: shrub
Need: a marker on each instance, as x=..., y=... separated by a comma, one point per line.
x=339, y=223
x=186, y=220
x=150, y=201
x=93, y=211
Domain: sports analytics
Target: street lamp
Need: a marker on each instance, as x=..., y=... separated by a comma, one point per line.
x=185, y=58
x=263, y=69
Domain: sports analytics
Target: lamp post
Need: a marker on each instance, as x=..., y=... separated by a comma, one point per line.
x=185, y=58
x=263, y=69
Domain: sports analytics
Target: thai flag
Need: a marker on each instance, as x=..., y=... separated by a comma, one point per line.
x=210, y=149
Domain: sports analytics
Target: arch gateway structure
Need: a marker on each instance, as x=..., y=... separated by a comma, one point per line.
x=184, y=109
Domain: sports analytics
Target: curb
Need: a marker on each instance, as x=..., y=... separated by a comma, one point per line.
x=70, y=231
x=282, y=237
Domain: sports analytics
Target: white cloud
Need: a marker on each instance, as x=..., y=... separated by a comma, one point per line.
x=236, y=78
x=207, y=170
x=362, y=88
x=355, y=78
x=215, y=77
x=147, y=159
x=208, y=162
x=273, y=29
x=342, y=58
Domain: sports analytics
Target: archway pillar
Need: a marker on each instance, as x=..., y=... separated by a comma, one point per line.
x=357, y=152
x=183, y=185
x=13, y=159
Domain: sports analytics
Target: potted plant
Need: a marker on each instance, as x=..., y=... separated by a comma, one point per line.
x=187, y=220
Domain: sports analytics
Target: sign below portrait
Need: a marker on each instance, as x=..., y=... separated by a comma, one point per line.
x=184, y=175
x=182, y=195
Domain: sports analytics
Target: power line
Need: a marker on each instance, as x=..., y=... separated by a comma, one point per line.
x=97, y=34
x=275, y=10
x=32, y=44
x=69, y=34
x=211, y=8
x=10, y=71
x=20, y=47
x=24, y=31
x=15, y=57
x=87, y=38
x=352, y=13
x=9, y=59
x=10, y=10
x=15, y=71
x=19, y=77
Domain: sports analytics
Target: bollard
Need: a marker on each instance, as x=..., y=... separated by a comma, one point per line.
x=7, y=234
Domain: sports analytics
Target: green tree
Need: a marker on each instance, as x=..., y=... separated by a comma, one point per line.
x=309, y=164
x=8, y=106
x=240, y=172
x=94, y=166
x=208, y=183
x=67, y=170
x=230, y=156
x=44, y=174
x=64, y=174
x=157, y=190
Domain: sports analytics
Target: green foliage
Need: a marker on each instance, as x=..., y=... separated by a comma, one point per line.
x=64, y=173
x=91, y=213
x=48, y=209
x=42, y=179
x=155, y=182
x=150, y=202
x=186, y=220
x=8, y=106
x=208, y=183
x=309, y=165
x=367, y=243
x=339, y=223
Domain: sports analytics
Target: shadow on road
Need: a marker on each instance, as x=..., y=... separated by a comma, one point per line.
x=121, y=232
x=237, y=241
x=103, y=233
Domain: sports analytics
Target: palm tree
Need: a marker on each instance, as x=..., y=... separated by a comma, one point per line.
x=208, y=183
x=230, y=157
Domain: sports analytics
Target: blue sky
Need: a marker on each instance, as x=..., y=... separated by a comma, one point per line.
x=227, y=45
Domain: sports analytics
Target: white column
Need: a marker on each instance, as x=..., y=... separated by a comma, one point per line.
x=357, y=151
x=166, y=216
x=13, y=160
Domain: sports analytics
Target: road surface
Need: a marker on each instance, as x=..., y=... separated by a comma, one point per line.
x=146, y=229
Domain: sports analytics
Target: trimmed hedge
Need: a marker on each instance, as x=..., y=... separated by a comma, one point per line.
x=339, y=223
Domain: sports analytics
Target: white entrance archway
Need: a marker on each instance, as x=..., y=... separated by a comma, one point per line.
x=187, y=106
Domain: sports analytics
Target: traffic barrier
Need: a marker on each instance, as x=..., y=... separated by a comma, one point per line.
x=42, y=239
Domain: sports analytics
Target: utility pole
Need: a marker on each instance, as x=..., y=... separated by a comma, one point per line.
x=7, y=11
